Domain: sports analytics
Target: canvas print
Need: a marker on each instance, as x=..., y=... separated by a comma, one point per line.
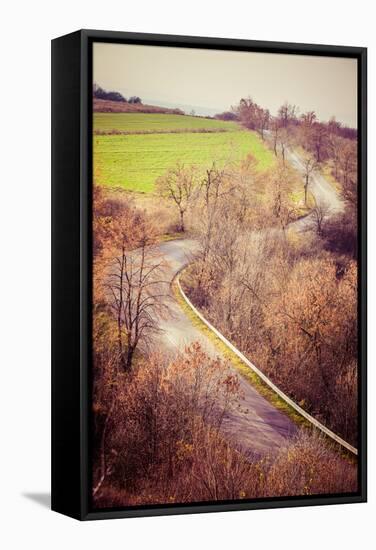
x=224, y=276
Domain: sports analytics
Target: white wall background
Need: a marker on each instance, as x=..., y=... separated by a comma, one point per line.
x=27, y=28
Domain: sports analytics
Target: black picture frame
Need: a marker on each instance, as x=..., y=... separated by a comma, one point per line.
x=71, y=269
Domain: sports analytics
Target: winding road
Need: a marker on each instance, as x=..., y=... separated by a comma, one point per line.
x=256, y=426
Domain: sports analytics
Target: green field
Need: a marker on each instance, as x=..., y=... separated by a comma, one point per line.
x=134, y=162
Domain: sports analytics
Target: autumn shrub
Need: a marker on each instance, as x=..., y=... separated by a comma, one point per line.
x=164, y=444
x=308, y=466
x=311, y=326
x=291, y=307
x=340, y=235
x=160, y=407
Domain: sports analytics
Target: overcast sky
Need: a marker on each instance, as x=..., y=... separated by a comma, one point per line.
x=213, y=80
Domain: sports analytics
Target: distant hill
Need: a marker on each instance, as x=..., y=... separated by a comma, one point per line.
x=106, y=106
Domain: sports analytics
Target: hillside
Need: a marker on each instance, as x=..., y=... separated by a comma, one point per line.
x=106, y=106
x=158, y=122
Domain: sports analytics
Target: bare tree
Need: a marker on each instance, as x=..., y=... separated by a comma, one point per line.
x=284, y=141
x=319, y=141
x=137, y=295
x=179, y=184
x=275, y=129
x=263, y=118
x=282, y=209
x=318, y=217
x=246, y=112
x=252, y=116
x=335, y=146
x=211, y=185
x=287, y=113
x=213, y=189
x=308, y=118
x=310, y=166
x=348, y=171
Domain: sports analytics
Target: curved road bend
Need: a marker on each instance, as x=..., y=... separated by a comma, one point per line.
x=256, y=426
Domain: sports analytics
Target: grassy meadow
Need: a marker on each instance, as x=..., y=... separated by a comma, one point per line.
x=134, y=161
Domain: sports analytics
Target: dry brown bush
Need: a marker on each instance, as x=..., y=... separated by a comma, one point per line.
x=159, y=410
x=311, y=325
x=292, y=309
x=164, y=442
x=308, y=466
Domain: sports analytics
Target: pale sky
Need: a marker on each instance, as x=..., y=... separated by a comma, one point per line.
x=213, y=80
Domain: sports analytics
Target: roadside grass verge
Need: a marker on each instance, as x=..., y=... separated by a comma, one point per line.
x=297, y=200
x=165, y=237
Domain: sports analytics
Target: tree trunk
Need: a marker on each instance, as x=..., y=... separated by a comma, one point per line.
x=130, y=353
x=120, y=343
x=182, y=229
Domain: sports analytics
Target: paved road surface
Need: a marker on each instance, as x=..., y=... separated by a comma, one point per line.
x=325, y=194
